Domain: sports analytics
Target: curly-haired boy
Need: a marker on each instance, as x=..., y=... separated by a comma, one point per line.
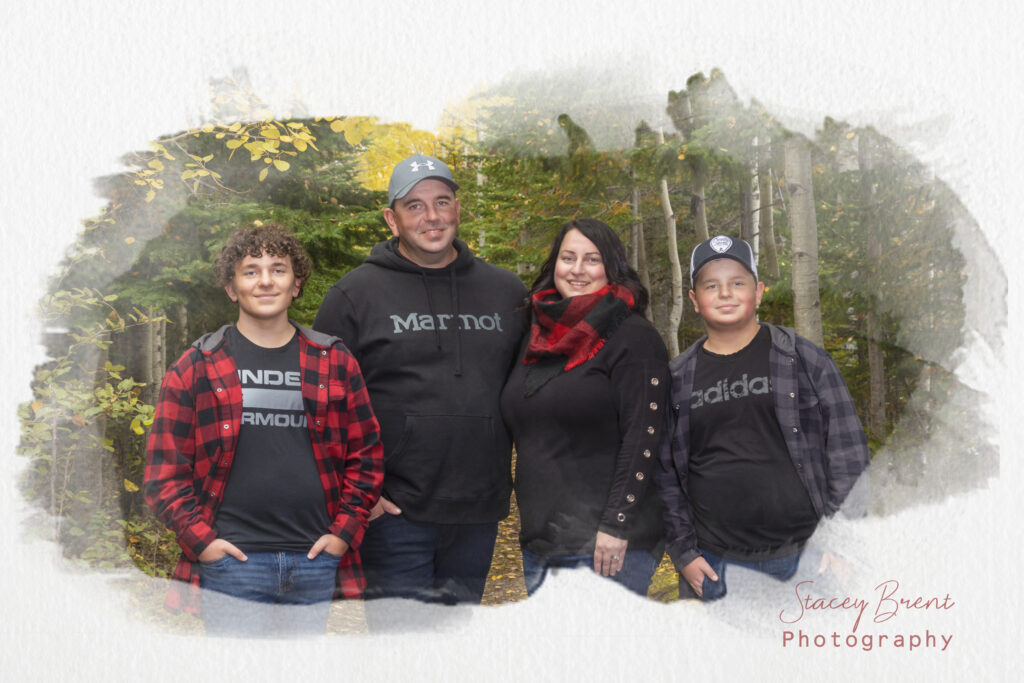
x=264, y=457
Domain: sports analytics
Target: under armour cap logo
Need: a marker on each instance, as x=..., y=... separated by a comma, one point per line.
x=415, y=165
x=721, y=244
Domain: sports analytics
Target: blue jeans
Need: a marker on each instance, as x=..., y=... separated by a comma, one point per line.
x=781, y=568
x=270, y=594
x=637, y=569
x=438, y=563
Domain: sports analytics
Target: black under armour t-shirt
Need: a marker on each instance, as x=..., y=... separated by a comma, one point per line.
x=274, y=500
x=747, y=499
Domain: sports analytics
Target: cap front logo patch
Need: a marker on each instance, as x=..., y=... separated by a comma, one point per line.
x=415, y=165
x=721, y=244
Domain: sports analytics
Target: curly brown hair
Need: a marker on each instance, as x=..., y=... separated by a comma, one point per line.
x=256, y=239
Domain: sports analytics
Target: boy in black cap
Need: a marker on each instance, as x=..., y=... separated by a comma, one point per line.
x=763, y=440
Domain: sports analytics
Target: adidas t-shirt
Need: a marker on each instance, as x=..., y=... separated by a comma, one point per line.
x=747, y=499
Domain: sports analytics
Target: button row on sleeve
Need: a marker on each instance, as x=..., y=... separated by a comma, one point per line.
x=630, y=498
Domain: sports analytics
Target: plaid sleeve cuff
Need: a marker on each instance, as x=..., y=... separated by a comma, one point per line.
x=195, y=539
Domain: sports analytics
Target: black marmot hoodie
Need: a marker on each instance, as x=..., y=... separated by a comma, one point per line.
x=435, y=346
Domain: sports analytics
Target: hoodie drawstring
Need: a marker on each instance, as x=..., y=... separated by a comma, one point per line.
x=458, y=326
x=454, y=288
x=430, y=307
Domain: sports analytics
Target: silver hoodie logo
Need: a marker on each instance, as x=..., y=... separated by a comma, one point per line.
x=419, y=322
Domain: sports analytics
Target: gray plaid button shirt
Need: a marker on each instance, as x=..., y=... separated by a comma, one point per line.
x=815, y=412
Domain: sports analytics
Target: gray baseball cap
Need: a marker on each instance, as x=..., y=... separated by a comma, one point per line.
x=410, y=171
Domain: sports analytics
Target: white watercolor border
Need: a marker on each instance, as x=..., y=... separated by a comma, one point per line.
x=85, y=83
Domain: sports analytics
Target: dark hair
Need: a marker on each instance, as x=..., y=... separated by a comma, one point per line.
x=256, y=239
x=613, y=256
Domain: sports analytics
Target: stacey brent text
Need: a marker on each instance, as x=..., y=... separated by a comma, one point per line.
x=888, y=601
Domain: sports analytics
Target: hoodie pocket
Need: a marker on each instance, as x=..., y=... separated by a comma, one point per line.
x=449, y=457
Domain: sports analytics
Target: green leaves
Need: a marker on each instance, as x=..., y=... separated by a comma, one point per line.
x=78, y=424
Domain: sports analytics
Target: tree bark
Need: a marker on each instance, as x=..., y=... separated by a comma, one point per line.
x=681, y=111
x=635, y=226
x=746, y=202
x=700, y=214
x=643, y=268
x=638, y=248
x=183, y=336
x=638, y=255
x=661, y=285
x=480, y=179
x=522, y=267
x=766, y=221
x=675, y=314
x=146, y=363
x=872, y=324
x=755, y=203
x=160, y=355
x=803, y=223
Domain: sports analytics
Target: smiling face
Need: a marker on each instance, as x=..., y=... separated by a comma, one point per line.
x=426, y=222
x=263, y=287
x=579, y=268
x=726, y=295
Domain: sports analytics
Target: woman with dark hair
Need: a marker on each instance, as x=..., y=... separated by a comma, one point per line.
x=585, y=406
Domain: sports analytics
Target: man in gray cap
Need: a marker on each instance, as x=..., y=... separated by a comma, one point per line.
x=435, y=331
x=417, y=184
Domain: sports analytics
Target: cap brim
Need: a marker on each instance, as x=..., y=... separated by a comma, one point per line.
x=717, y=257
x=408, y=187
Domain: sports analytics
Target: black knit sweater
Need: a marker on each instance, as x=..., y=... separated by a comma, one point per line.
x=586, y=445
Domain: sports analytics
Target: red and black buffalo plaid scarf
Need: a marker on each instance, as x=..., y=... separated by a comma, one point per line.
x=567, y=332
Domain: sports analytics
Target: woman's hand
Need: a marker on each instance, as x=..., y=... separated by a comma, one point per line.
x=609, y=554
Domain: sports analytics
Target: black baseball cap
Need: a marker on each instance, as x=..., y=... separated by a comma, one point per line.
x=721, y=246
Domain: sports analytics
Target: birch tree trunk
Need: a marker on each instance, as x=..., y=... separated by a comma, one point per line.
x=873, y=327
x=183, y=335
x=700, y=223
x=159, y=354
x=643, y=268
x=681, y=111
x=638, y=251
x=755, y=203
x=522, y=267
x=480, y=179
x=635, y=226
x=766, y=222
x=675, y=315
x=803, y=223
x=146, y=362
x=746, y=201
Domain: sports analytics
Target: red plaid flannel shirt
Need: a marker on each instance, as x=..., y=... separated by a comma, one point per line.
x=195, y=432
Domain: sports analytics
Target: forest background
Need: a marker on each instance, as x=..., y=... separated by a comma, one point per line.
x=857, y=244
x=971, y=149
